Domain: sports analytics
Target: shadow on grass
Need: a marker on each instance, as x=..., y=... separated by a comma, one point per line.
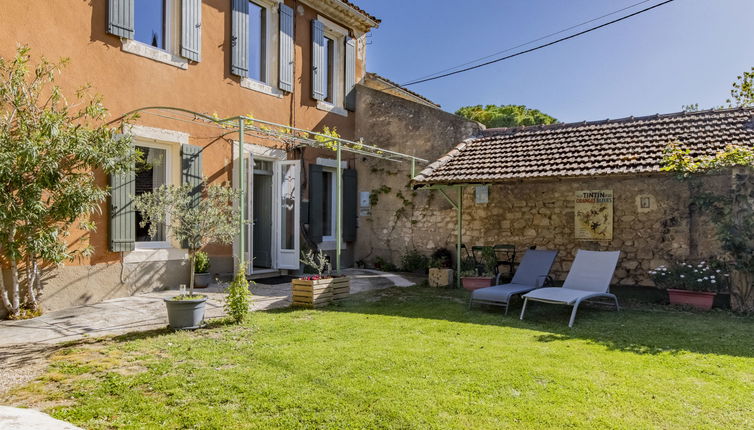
x=640, y=329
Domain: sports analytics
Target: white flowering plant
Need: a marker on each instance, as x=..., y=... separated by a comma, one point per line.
x=709, y=276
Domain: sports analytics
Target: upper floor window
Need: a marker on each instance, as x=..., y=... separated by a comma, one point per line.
x=257, y=42
x=328, y=71
x=150, y=22
x=168, y=31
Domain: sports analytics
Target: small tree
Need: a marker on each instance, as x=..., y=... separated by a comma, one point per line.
x=49, y=152
x=732, y=213
x=238, y=298
x=211, y=219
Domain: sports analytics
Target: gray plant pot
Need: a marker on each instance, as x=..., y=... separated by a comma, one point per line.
x=185, y=314
x=202, y=280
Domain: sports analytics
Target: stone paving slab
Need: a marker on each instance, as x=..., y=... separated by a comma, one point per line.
x=147, y=311
x=28, y=419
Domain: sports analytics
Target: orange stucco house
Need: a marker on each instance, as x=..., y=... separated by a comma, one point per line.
x=292, y=62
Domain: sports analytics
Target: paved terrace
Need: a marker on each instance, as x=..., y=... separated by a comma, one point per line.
x=147, y=311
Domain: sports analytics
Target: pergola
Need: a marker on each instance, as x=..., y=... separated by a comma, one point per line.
x=246, y=126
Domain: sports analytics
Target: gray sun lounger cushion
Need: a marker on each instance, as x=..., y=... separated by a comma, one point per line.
x=531, y=274
x=588, y=278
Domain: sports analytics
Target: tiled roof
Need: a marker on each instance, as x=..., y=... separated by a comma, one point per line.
x=362, y=11
x=610, y=147
x=392, y=84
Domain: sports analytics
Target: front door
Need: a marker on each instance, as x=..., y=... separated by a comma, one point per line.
x=288, y=203
x=262, y=214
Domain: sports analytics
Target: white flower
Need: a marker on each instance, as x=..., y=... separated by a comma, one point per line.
x=718, y=270
x=698, y=280
x=683, y=276
x=713, y=281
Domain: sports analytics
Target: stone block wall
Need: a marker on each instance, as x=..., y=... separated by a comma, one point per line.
x=541, y=213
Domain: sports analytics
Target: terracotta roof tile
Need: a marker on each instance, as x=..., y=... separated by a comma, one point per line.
x=605, y=147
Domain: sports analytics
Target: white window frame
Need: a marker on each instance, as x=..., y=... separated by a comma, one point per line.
x=168, y=181
x=169, y=55
x=338, y=35
x=272, y=24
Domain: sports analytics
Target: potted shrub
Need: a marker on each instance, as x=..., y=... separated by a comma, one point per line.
x=478, y=276
x=195, y=222
x=320, y=289
x=415, y=262
x=690, y=284
x=201, y=270
x=440, y=272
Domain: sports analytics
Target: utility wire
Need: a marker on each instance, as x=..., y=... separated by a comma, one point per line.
x=526, y=51
x=532, y=41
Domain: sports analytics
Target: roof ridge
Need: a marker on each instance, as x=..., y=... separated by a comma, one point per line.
x=509, y=130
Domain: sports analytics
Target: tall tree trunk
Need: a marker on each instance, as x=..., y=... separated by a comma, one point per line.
x=742, y=291
x=15, y=290
x=192, y=256
x=5, y=298
x=742, y=210
x=32, y=279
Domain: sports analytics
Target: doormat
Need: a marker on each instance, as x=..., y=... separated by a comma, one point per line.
x=277, y=280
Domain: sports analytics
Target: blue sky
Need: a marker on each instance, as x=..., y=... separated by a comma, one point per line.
x=688, y=51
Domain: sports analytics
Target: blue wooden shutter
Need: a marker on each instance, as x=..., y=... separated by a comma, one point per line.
x=350, y=77
x=122, y=215
x=316, y=188
x=239, y=38
x=286, y=48
x=318, y=60
x=191, y=169
x=120, y=18
x=350, y=200
x=191, y=29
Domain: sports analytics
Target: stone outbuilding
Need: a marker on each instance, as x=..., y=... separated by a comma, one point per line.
x=591, y=185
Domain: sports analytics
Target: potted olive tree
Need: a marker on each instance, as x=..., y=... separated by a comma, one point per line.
x=195, y=223
x=320, y=289
x=690, y=284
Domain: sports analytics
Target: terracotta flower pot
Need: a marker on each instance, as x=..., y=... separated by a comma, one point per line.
x=698, y=299
x=472, y=283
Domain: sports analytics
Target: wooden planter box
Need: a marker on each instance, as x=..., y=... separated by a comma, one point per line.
x=698, y=299
x=440, y=277
x=319, y=292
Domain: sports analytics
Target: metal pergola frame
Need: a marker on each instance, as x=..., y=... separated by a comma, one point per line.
x=246, y=125
x=458, y=206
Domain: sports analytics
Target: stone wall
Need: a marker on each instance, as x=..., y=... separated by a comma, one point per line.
x=541, y=213
x=411, y=128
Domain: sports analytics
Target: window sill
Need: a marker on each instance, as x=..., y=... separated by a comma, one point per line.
x=329, y=107
x=143, y=50
x=148, y=255
x=261, y=87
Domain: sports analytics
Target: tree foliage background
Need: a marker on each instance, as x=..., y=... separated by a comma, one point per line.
x=493, y=116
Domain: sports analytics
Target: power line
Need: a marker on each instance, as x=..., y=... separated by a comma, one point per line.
x=526, y=51
x=533, y=40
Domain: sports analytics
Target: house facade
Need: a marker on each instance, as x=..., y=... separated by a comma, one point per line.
x=288, y=62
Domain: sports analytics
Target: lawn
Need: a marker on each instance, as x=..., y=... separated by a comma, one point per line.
x=414, y=358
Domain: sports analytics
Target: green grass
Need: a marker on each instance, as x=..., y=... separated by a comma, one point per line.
x=415, y=358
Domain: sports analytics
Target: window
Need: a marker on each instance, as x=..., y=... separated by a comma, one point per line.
x=150, y=22
x=151, y=173
x=328, y=72
x=257, y=42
